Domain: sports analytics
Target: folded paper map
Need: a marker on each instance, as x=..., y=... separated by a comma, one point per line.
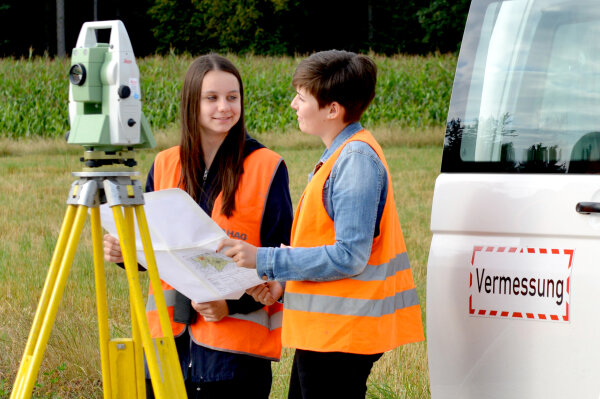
x=185, y=240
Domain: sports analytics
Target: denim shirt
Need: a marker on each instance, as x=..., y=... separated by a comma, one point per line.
x=354, y=196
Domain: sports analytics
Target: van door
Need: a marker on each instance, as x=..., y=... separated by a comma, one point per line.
x=513, y=277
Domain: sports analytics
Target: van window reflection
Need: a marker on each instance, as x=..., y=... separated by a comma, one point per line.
x=532, y=102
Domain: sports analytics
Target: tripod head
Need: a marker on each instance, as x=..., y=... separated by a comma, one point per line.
x=105, y=109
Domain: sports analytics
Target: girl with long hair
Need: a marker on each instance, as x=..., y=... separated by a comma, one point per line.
x=225, y=347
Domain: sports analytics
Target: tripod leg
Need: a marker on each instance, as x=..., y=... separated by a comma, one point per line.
x=45, y=296
x=129, y=256
x=138, y=355
x=101, y=301
x=173, y=372
x=48, y=308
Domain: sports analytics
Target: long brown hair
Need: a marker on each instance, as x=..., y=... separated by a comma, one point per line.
x=229, y=160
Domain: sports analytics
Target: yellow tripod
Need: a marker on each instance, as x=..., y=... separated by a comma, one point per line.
x=122, y=360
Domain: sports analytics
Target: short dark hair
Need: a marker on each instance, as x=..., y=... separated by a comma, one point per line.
x=341, y=76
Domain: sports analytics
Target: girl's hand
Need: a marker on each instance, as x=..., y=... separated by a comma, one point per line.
x=211, y=311
x=112, y=249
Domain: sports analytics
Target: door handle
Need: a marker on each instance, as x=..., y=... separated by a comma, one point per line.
x=588, y=207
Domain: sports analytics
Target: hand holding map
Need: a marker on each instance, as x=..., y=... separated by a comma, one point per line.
x=185, y=240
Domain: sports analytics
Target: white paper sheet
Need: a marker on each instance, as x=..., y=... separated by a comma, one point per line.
x=185, y=240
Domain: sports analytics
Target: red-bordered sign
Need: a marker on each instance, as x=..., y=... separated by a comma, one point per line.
x=520, y=282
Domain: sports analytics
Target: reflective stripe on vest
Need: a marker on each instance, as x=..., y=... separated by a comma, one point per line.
x=227, y=330
x=257, y=333
x=261, y=316
x=353, y=306
x=169, y=300
x=152, y=312
x=372, y=312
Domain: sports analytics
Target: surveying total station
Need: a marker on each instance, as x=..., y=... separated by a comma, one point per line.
x=106, y=119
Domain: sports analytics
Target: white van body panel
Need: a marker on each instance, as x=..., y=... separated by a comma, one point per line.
x=487, y=357
x=539, y=205
x=513, y=276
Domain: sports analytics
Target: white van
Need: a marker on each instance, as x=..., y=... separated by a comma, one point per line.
x=513, y=277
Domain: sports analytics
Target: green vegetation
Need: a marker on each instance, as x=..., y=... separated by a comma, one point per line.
x=35, y=164
x=412, y=91
x=34, y=186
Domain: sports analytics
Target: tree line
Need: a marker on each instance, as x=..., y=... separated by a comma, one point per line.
x=262, y=27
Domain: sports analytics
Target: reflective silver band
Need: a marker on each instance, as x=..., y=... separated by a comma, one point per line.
x=169, y=300
x=351, y=306
x=383, y=271
x=261, y=317
x=276, y=320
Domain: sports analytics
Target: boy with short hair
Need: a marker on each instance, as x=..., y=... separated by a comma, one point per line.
x=349, y=293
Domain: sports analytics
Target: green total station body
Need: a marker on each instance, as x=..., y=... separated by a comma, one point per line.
x=105, y=108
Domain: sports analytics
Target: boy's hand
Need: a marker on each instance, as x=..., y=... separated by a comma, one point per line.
x=267, y=293
x=242, y=253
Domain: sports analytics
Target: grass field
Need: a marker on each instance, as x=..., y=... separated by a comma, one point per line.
x=33, y=189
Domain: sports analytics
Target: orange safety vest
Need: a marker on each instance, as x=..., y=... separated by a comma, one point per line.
x=370, y=313
x=257, y=333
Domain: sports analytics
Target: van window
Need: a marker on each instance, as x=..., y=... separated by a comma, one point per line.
x=526, y=96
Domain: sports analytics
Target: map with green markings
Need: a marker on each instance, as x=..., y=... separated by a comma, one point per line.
x=217, y=262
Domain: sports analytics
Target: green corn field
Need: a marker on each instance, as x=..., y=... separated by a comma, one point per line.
x=411, y=91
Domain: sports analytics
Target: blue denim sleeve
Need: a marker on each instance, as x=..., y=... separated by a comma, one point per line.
x=352, y=195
